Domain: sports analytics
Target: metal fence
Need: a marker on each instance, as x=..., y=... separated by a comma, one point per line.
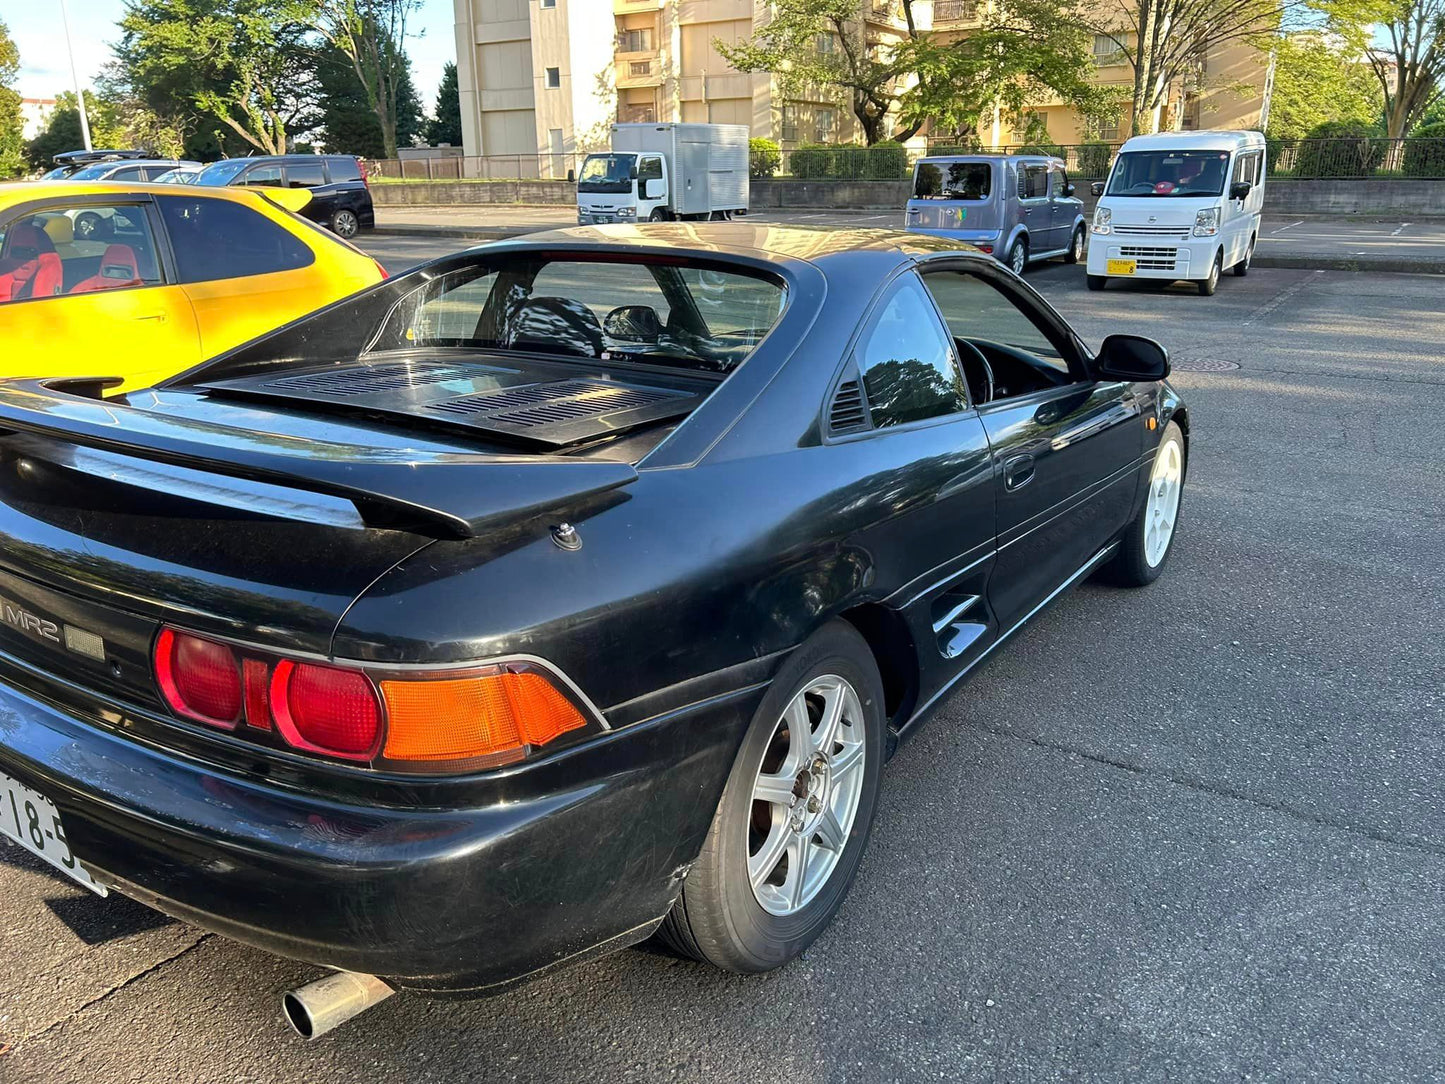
x=1303, y=159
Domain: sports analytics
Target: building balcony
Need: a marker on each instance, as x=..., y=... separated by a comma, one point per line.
x=638, y=70
x=956, y=13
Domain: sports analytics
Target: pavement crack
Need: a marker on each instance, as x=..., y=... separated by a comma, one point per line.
x=1222, y=790
x=105, y=995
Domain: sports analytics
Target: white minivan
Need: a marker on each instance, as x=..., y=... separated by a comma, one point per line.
x=1179, y=205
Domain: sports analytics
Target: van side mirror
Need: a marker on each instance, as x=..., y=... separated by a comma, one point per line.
x=1070, y=189
x=1131, y=357
x=654, y=188
x=1239, y=189
x=1097, y=188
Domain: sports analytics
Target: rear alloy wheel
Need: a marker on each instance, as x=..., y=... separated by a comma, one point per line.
x=1018, y=256
x=1242, y=267
x=1076, y=247
x=794, y=817
x=1209, y=285
x=1146, y=544
x=345, y=224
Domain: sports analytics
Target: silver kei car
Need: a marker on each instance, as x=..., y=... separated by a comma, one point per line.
x=1019, y=207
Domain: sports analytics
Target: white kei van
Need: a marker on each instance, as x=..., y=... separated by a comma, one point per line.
x=1179, y=205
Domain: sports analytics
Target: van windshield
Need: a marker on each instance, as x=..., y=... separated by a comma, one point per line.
x=1169, y=173
x=952, y=180
x=607, y=173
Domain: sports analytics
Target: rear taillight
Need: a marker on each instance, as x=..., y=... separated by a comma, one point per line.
x=325, y=709
x=200, y=679
x=446, y=719
x=384, y=272
x=361, y=165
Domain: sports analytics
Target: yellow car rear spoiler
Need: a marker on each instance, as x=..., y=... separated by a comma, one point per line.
x=293, y=199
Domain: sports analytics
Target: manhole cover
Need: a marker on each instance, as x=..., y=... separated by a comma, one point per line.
x=1202, y=365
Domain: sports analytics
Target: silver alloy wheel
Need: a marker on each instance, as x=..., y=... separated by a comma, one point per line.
x=1166, y=482
x=1018, y=258
x=1078, y=245
x=345, y=224
x=806, y=795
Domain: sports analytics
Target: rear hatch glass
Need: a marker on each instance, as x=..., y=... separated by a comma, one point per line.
x=955, y=194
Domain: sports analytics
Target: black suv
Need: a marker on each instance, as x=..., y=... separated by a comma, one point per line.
x=340, y=198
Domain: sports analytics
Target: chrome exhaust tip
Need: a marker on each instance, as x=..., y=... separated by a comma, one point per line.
x=318, y=1007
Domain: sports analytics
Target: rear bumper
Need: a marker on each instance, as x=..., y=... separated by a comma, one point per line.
x=977, y=238
x=541, y=865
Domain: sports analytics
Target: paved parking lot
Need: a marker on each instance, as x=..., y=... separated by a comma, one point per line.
x=1190, y=832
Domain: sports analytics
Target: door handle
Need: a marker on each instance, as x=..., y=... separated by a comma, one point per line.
x=1018, y=471
x=159, y=317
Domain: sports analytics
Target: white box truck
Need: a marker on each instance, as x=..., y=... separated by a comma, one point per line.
x=657, y=172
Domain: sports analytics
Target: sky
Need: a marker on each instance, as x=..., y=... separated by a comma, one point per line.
x=44, y=69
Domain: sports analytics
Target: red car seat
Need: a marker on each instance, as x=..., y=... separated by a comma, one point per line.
x=31, y=266
x=118, y=268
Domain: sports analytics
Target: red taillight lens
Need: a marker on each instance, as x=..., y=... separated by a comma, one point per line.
x=200, y=679
x=325, y=709
x=384, y=272
x=365, y=177
x=986, y=248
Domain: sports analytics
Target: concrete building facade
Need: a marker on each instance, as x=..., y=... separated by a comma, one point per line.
x=541, y=80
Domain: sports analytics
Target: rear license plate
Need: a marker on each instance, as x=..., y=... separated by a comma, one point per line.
x=31, y=820
x=1122, y=267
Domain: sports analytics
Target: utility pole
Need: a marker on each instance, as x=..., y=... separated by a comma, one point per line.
x=75, y=78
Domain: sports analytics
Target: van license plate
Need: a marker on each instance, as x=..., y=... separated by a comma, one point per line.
x=1122, y=267
x=31, y=820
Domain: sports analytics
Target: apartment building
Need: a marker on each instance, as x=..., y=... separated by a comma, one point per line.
x=541, y=80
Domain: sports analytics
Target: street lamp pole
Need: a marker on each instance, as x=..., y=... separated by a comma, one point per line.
x=75, y=77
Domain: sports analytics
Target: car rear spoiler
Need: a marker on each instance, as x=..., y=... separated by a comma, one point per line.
x=438, y=494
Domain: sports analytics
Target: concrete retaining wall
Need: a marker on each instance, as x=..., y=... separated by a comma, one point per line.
x=1373, y=196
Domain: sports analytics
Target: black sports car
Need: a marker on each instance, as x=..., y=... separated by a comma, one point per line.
x=552, y=595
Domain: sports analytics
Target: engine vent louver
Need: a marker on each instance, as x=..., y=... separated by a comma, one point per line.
x=367, y=380
x=847, y=411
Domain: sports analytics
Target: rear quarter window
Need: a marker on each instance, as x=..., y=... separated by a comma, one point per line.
x=217, y=239
x=343, y=169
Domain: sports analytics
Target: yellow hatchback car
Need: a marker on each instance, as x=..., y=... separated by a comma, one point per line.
x=142, y=281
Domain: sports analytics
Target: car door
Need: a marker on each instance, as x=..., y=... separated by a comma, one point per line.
x=1242, y=219
x=244, y=274
x=1066, y=449
x=1034, y=210
x=310, y=173
x=1064, y=208
x=899, y=413
x=109, y=304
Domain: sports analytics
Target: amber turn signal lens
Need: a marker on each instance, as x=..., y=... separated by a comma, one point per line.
x=493, y=713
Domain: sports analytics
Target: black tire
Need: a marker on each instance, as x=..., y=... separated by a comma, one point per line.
x=658, y=215
x=1130, y=566
x=344, y=223
x=1096, y=282
x=717, y=918
x=1076, y=247
x=1209, y=285
x=1018, y=256
x=1242, y=267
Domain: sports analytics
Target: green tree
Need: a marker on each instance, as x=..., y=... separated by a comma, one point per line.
x=246, y=65
x=62, y=129
x=1320, y=78
x=12, y=123
x=371, y=34
x=347, y=123
x=1164, y=41
x=446, y=126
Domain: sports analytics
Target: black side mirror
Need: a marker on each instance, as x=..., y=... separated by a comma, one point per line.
x=1097, y=188
x=633, y=324
x=1131, y=357
x=1069, y=189
x=1239, y=189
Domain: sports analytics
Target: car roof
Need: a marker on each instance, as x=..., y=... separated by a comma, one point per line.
x=12, y=195
x=770, y=243
x=132, y=162
x=1209, y=140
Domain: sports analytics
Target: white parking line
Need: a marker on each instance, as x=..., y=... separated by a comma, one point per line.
x=1399, y=229
x=1291, y=226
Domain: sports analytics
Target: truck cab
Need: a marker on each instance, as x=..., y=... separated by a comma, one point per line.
x=623, y=187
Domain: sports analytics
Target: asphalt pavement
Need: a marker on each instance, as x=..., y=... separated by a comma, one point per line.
x=1189, y=832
